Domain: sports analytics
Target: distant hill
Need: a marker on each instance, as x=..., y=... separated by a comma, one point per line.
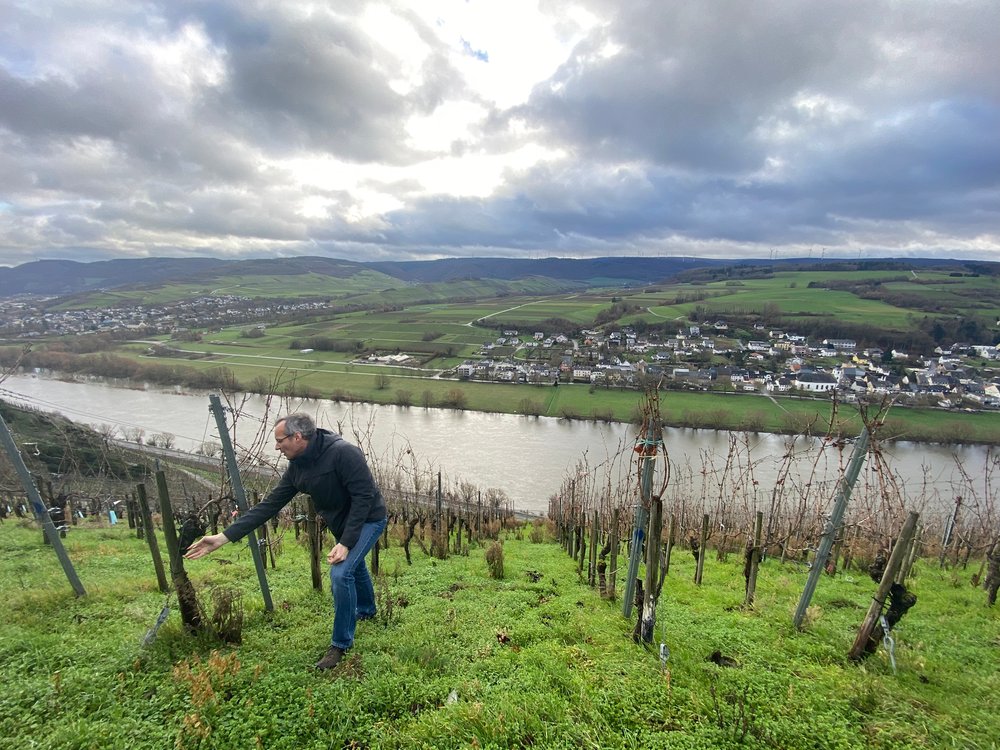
x=601, y=271
x=64, y=277
x=61, y=277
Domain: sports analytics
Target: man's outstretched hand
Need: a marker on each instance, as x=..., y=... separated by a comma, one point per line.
x=205, y=545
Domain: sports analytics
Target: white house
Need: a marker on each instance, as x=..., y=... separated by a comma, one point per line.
x=815, y=382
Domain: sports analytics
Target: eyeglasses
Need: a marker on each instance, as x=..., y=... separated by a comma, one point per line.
x=280, y=440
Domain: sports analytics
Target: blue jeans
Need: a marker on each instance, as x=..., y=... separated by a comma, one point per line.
x=351, y=586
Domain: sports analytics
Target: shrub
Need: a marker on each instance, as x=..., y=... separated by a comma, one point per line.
x=455, y=398
x=439, y=541
x=494, y=560
x=529, y=408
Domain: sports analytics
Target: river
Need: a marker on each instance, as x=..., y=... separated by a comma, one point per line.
x=526, y=457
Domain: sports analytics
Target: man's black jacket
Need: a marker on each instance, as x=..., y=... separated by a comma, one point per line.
x=336, y=475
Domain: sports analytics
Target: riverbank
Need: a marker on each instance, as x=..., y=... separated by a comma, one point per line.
x=345, y=383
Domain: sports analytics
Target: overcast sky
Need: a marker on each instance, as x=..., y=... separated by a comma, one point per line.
x=528, y=128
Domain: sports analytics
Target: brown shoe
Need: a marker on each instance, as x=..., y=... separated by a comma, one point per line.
x=331, y=658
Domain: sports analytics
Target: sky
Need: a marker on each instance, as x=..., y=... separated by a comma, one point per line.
x=504, y=128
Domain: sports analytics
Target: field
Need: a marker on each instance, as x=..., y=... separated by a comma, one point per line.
x=364, y=289
x=459, y=659
x=791, y=293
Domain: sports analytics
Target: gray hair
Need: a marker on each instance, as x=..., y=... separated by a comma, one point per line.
x=298, y=422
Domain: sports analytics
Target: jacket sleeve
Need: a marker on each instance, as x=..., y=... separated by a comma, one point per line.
x=357, y=479
x=263, y=511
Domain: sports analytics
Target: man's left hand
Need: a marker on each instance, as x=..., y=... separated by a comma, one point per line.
x=337, y=555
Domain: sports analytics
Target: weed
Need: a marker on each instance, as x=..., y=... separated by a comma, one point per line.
x=494, y=560
x=227, y=615
x=209, y=684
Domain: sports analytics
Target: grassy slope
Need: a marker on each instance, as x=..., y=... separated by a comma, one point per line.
x=791, y=293
x=543, y=663
x=365, y=288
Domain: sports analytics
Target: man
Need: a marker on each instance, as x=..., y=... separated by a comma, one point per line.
x=336, y=475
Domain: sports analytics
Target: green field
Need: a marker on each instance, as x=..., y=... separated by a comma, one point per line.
x=791, y=294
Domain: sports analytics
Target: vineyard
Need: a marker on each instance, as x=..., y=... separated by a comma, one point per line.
x=637, y=614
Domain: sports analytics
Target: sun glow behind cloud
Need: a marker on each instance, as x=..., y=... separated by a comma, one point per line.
x=522, y=43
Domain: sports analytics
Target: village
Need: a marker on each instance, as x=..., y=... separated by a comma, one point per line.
x=27, y=317
x=774, y=362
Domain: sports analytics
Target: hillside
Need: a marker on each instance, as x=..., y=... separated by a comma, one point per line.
x=171, y=279
x=458, y=659
x=65, y=277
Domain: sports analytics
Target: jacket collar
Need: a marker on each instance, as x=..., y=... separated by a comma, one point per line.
x=320, y=439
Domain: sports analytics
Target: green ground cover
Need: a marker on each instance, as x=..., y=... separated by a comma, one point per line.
x=793, y=302
x=299, y=286
x=790, y=292
x=576, y=308
x=458, y=659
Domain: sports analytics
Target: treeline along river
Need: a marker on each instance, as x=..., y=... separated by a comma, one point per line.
x=529, y=458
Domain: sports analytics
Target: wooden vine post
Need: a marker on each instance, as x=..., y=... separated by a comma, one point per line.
x=867, y=638
x=573, y=541
x=911, y=555
x=613, y=577
x=949, y=532
x=992, y=582
x=671, y=537
x=140, y=521
x=150, y=534
x=130, y=511
x=702, y=548
x=753, y=559
x=595, y=531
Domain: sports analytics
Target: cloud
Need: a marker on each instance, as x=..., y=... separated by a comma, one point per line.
x=455, y=128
